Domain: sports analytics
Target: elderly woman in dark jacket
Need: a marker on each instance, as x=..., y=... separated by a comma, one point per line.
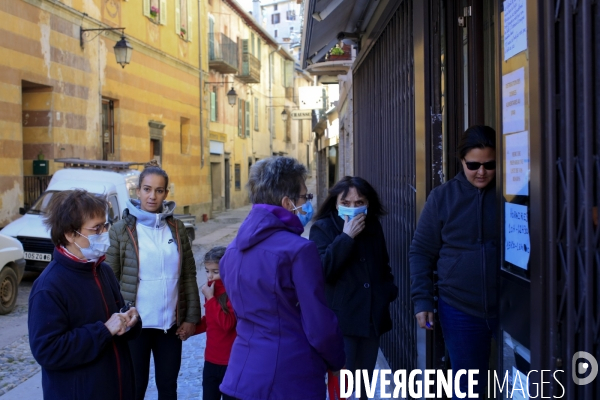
x=78, y=327
x=358, y=280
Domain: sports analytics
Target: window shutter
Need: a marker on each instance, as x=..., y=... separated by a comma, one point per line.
x=213, y=106
x=258, y=48
x=240, y=117
x=190, y=21
x=146, y=7
x=211, y=38
x=247, y=119
x=256, y=113
x=177, y=17
x=163, y=12
x=252, y=38
x=289, y=74
x=244, y=46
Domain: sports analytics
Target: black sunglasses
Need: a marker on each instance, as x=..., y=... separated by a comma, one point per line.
x=307, y=196
x=474, y=166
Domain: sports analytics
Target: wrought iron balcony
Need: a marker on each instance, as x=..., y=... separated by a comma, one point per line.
x=222, y=54
x=250, y=71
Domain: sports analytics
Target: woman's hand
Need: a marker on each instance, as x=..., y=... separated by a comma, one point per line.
x=117, y=323
x=354, y=226
x=208, y=291
x=186, y=330
x=425, y=320
x=133, y=317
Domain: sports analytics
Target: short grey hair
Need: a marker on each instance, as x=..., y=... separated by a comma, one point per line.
x=273, y=178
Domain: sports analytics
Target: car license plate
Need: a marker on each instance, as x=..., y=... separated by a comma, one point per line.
x=38, y=256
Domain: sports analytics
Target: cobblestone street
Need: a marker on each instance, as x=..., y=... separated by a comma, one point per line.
x=20, y=376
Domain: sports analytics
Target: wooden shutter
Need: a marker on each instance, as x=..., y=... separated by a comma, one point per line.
x=240, y=117
x=244, y=46
x=289, y=74
x=163, y=12
x=146, y=4
x=247, y=119
x=190, y=21
x=211, y=38
x=256, y=113
x=177, y=17
x=213, y=106
x=258, y=54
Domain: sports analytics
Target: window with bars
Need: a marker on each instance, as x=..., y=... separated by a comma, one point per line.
x=290, y=15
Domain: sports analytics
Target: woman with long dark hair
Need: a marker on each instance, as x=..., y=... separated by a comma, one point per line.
x=359, y=285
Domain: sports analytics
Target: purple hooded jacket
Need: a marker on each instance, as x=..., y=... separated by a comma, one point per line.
x=287, y=336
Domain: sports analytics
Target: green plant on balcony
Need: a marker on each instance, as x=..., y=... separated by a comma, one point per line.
x=337, y=51
x=154, y=11
x=182, y=32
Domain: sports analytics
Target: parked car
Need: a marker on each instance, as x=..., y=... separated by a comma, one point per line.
x=116, y=179
x=12, y=266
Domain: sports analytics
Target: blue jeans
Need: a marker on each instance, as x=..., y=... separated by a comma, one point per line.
x=468, y=341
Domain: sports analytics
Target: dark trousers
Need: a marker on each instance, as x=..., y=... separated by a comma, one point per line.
x=361, y=353
x=166, y=349
x=468, y=340
x=212, y=376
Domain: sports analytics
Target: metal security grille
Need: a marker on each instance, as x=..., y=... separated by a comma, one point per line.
x=572, y=146
x=384, y=152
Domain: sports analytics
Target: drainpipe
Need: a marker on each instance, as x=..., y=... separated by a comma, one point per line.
x=271, y=118
x=201, y=87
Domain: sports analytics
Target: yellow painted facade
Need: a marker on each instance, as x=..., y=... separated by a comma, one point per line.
x=60, y=100
x=252, y=128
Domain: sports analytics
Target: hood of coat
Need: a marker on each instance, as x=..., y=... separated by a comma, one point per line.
x=263, y=221
x=149, y=219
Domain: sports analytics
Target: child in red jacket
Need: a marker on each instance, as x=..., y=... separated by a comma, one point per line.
x=219, y=324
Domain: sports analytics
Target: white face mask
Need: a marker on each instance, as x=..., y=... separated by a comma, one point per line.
x=99, y=244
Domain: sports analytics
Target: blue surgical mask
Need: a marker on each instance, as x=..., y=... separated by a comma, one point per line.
x=308, y=209
x=351, y=212
x=99, y=244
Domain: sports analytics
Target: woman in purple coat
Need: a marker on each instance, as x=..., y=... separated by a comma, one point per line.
x=287, y=336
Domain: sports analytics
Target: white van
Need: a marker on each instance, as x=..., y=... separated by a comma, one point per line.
x=117, y=179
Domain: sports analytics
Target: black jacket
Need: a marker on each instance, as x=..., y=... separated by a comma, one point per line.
x=456, y=231
x=80, y=359
x=359, y=285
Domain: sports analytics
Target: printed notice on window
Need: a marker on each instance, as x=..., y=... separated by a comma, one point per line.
x=515, y=27
x=513, y=101
x=517, y=164
x=516, y=235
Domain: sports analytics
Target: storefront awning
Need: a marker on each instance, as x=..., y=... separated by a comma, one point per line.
x=336, y=16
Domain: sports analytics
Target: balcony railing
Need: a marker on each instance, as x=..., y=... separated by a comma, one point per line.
x=250, y=71
x=222, y=54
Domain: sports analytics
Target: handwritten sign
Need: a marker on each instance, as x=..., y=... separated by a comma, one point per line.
x=515, y=27
x=516, y=235
x=517, y=164
x=513, y=101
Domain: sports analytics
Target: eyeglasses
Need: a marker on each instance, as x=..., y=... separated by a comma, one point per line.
x=307, y=196
x=101, y=228
x=474, y=166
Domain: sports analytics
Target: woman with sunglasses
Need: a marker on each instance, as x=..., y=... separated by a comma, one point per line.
x=359, y=284
x=79, y=324
x=456, y=235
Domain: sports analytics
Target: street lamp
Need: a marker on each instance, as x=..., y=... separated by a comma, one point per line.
x=284, y=115
x=122, y=49
x=232, y=97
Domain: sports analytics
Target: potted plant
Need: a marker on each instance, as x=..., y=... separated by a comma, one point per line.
x=337, y=51
x=154, y=11
x=182, y=32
